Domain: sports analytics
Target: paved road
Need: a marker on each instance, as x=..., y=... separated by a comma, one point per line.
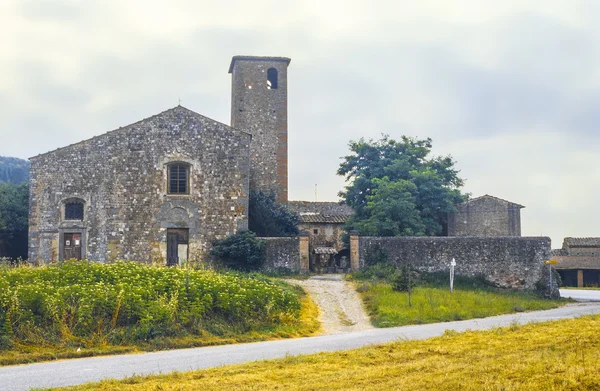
x=581, y=294
x=77, y=371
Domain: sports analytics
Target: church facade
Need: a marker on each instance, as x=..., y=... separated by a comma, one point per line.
x=165, y=188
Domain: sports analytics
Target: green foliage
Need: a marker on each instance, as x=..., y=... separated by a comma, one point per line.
x=396, y=189
x=391, y=308
x=401, y=281
x=241, y=251
x=14, y=212
x=268, y=218
x=127, y=302
x=13, y=170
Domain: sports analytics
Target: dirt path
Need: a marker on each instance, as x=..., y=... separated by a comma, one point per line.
x=340, y=305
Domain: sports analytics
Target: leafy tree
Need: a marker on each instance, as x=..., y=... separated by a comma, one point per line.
x=268, y=218
x=242, y=250
x=14, y=209
x=397, y=189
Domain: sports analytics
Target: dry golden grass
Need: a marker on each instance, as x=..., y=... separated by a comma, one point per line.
x=560, y=355
x=307, y=325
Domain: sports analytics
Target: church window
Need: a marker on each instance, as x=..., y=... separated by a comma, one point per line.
x=179, y=178
x=272, y=78
x=74, y=210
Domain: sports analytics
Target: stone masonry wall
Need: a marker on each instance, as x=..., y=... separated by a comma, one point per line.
x=506, y=261
x=121, y=177
x=485, y=216
x=282, y=253
x=262, y=111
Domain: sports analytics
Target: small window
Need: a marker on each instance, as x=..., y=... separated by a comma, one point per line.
x=178, y=179
x=272, y=79
x=316, y=231
x=74, y=210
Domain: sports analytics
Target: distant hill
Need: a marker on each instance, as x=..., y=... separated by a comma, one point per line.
x=13, y=170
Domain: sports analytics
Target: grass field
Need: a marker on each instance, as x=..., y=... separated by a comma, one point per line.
x=388, y=308
x=83, y=309
x=559, y=355
x=431, y=300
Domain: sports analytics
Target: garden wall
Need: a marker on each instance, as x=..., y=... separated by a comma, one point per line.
x=511, y=262
x=286, y=253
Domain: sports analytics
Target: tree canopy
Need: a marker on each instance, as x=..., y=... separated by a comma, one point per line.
x=14, y=211
x=397, y=189
x=268, y=218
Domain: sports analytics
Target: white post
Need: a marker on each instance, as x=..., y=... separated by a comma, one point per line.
x=452, y=264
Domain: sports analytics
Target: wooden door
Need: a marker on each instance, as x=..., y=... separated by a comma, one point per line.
x=71, y=246
x=177, y=246
x=172, y=254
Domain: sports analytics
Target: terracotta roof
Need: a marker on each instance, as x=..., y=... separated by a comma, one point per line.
x=558, y=252
x=325, y=250
x=577, y=262
x=581, y=242
x=321, y=212
x=495, y=198
x=318, y=218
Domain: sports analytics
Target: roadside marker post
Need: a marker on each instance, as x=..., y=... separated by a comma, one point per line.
x=550, y=262
x=452, y=264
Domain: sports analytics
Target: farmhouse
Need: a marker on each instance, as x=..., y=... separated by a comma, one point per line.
x=578, y=262
x=164, y=188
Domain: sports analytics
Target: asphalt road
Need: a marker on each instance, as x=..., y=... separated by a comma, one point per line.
x=581, y=294
x=78, y=371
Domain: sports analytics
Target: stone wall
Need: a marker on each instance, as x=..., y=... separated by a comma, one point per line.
x=121, y=178
x=506, y=261
x=260, y=109
x=282, y=253
x=485, y=216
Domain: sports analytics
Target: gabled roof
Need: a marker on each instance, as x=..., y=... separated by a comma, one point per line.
x=581, y=242
x=321, y=212
x=487, y=196
x=130, y=126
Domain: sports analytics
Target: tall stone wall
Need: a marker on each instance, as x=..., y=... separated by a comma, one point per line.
x=485, y=216
x=509, y=262
x=121, y=178
x=282, y=253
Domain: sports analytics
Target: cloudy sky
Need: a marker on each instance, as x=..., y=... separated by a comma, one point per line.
x=511, y=89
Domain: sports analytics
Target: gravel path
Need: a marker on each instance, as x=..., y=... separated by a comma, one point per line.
x=340, y=305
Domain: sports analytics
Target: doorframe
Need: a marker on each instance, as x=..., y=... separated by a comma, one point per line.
x=167, y=246
x=61, y=241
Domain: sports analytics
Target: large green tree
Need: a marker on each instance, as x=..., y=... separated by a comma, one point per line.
x=268, y=218
x=397, y=189
x=14, y=205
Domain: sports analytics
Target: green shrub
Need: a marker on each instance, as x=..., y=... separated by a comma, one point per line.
x=127, y=301
x=266, y=217
x=241, y=251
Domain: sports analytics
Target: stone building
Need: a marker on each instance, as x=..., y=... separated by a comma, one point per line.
x=578, y=262
x=485, y=216
x=164, y=188
x=324, y=223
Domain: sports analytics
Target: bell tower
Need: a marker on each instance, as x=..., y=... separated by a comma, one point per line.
x=259, y=106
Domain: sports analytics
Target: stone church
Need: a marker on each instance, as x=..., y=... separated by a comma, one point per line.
x=164, y=188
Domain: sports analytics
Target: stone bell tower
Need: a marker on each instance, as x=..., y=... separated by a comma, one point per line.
x=259, y=106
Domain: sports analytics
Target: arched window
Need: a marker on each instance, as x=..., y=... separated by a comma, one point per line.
x=74, y=210
x=178, y=178
x=272, y=78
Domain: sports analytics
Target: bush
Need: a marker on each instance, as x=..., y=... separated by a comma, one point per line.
x=240, y=251
x=126, y=301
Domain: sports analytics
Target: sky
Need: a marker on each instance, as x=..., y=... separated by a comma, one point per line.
x=510, y=89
